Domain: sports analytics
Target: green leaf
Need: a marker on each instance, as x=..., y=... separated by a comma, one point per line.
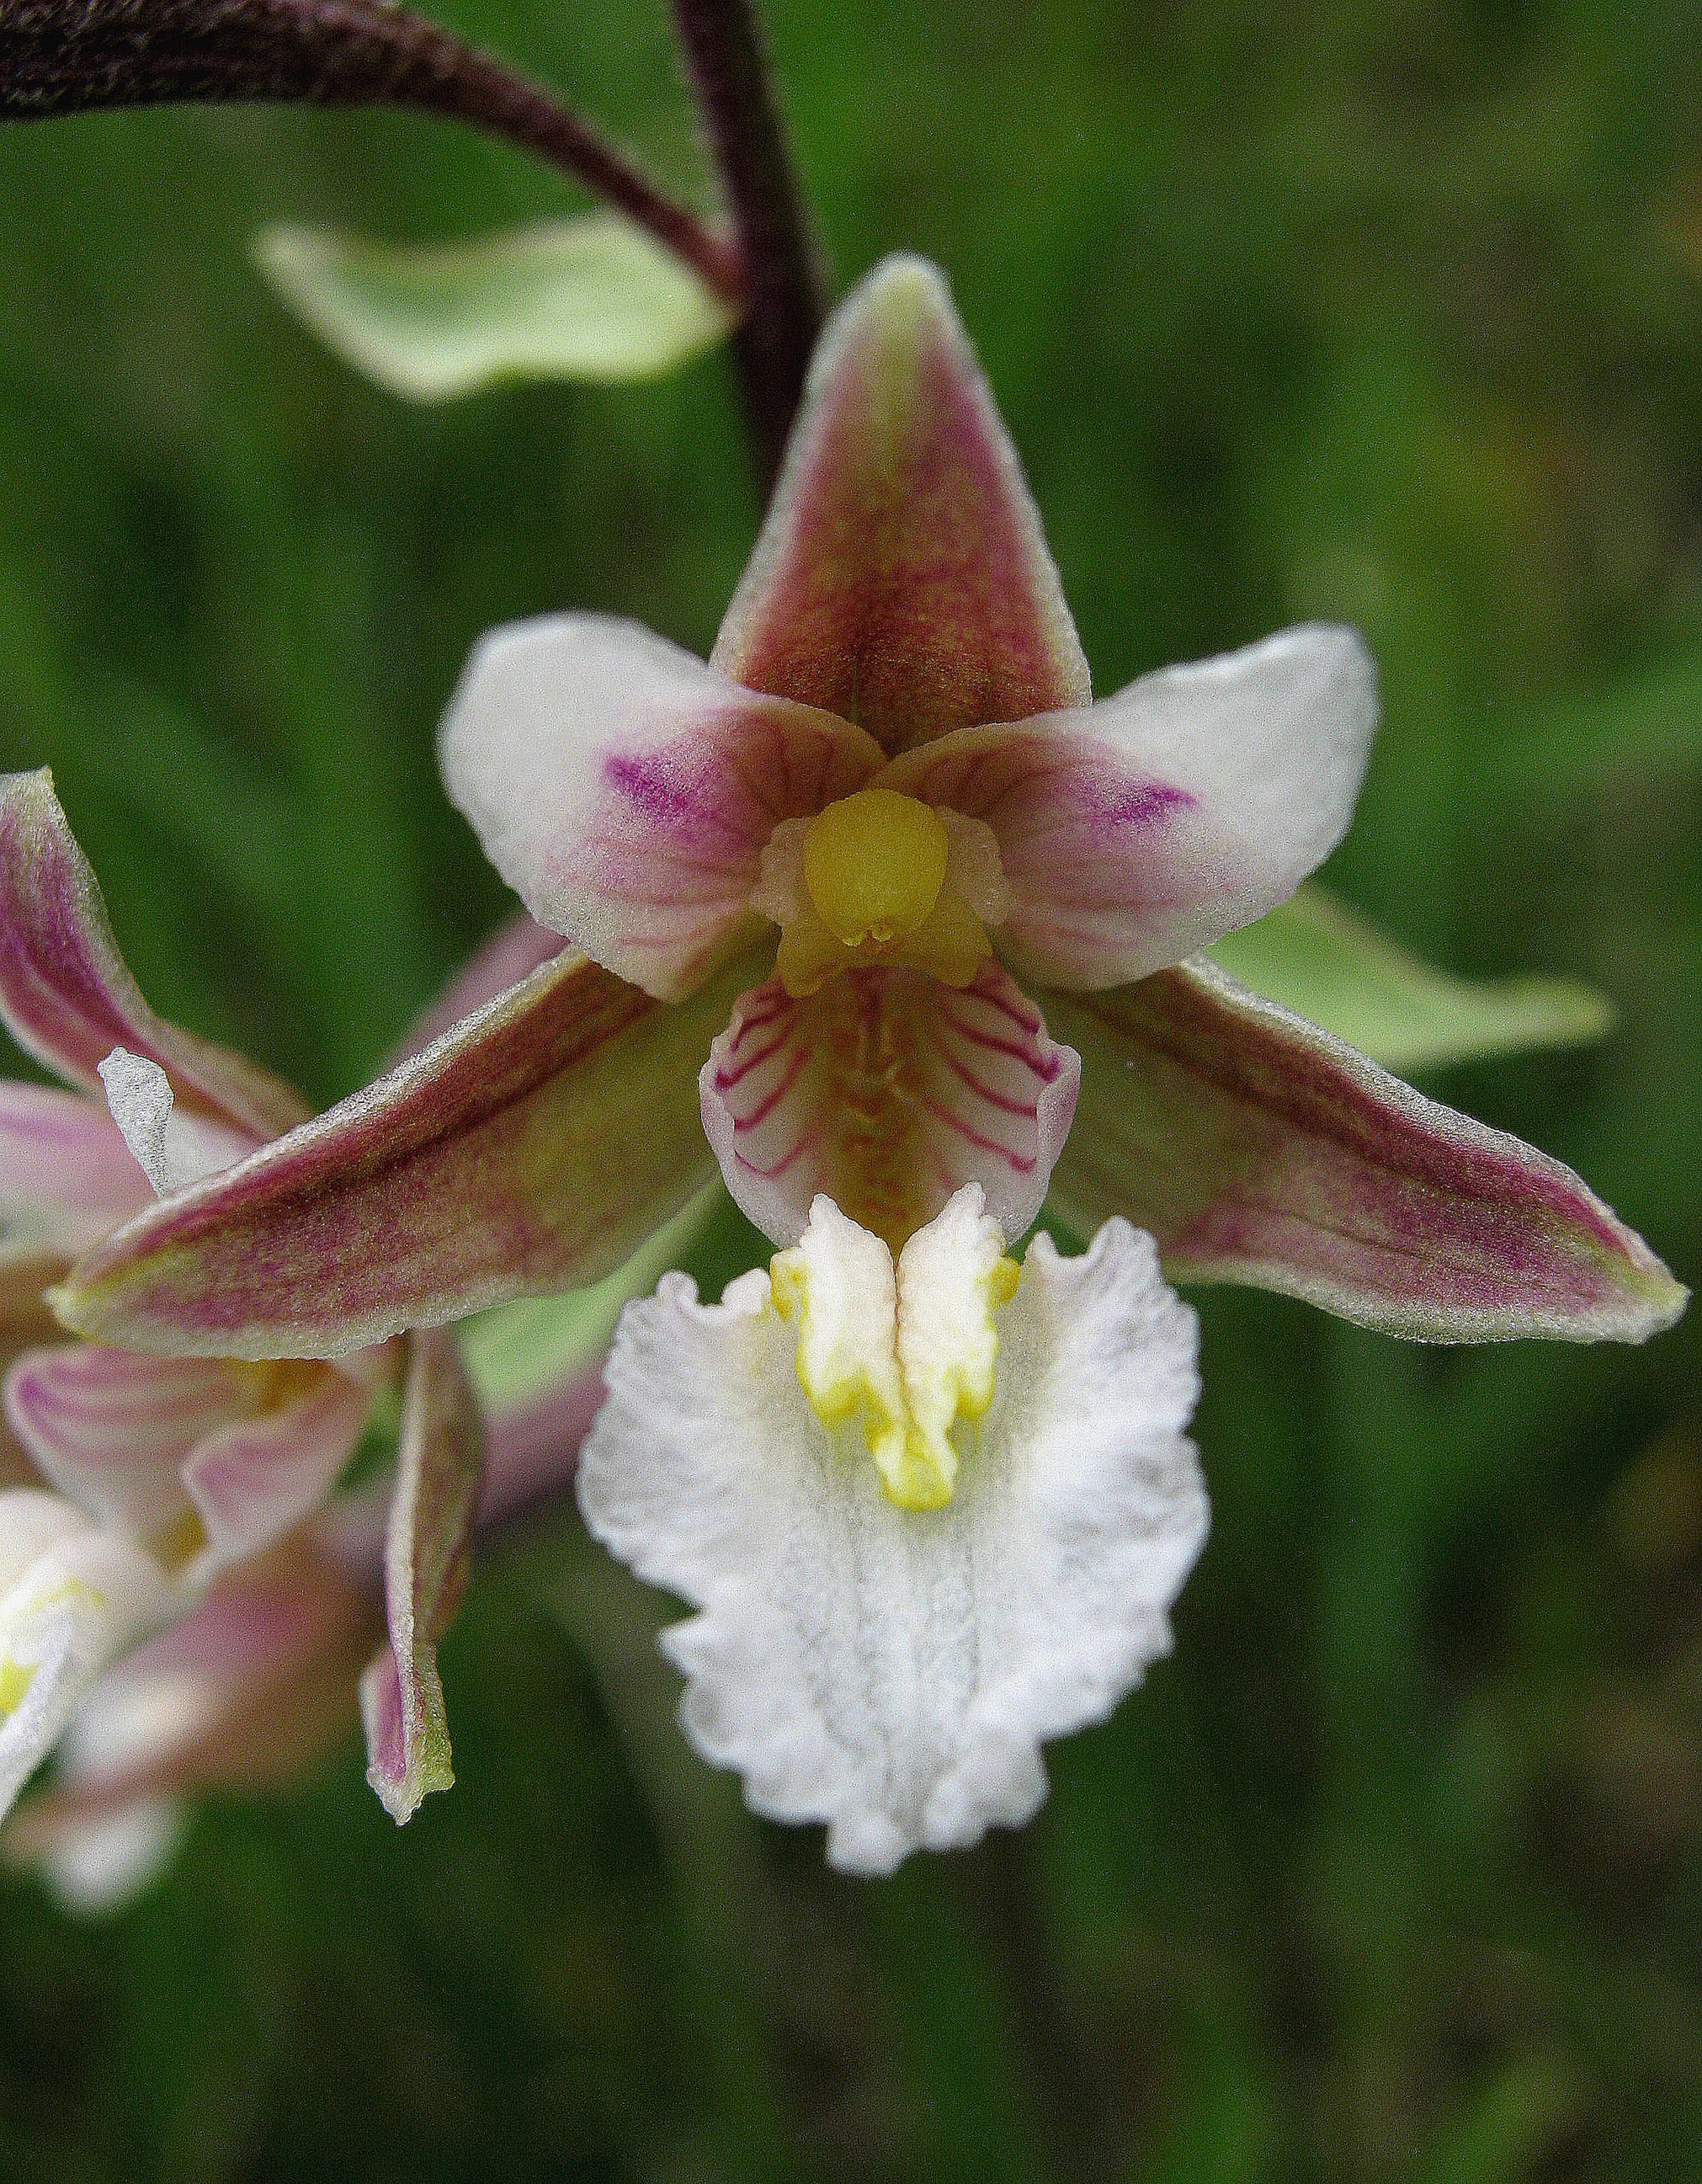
x=590, y=298
x=1327, y=964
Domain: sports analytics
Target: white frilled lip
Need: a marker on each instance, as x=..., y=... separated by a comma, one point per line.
x=893, y=1672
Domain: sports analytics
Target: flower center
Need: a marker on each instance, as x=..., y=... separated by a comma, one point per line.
x=881, y=878
x=874, y=863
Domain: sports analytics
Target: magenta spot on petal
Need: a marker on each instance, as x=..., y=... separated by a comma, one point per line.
x=652, y=784
x=666, y=791
x=1135, y=804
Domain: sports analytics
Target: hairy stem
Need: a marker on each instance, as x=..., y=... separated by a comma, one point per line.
x=730, y=74
x=67, y=57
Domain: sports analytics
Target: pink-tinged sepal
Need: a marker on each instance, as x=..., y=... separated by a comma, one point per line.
x=625, y=790
x=432, y=1509
x=531, y=1147
x=511, y=953
x=1135, y=832
x=66, y=1177
x=902, y=578
x=888, y=1092
x=1259, y=1149
x=64, y=992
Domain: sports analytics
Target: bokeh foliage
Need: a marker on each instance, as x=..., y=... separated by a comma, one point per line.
x=1380, y=310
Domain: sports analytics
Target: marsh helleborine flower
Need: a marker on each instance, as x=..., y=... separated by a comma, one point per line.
x=253, y=1679
x=262, y=1673
x=892, y=759
x=875, y=860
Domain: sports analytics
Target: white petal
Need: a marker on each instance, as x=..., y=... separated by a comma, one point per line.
x=1135, y=831
x=30, y=1525
x=100, y=1860
x=139, y=1715
x=83, y=1597
x=893, y=1673
x=625, y=790
x=171, y=1148
x=98, y=1865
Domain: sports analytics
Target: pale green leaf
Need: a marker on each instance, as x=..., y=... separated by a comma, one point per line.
x=590, y=298
x=1328, y=965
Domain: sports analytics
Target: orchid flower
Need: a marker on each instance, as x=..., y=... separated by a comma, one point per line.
x=255, y=1672
x=168, y=1471
x=812, y=873
x=932, y=1511
x=828, y=775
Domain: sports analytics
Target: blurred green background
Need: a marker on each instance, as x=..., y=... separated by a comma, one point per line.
x=1387, y=311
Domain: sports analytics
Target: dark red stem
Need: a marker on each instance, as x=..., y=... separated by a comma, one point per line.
x=67, y=57
x=730, y=75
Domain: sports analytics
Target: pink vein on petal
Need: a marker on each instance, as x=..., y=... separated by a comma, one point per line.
x=887, y=1085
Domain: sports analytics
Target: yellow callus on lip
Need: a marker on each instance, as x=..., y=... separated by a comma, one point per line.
x=876, y=887
x=907, y=1350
